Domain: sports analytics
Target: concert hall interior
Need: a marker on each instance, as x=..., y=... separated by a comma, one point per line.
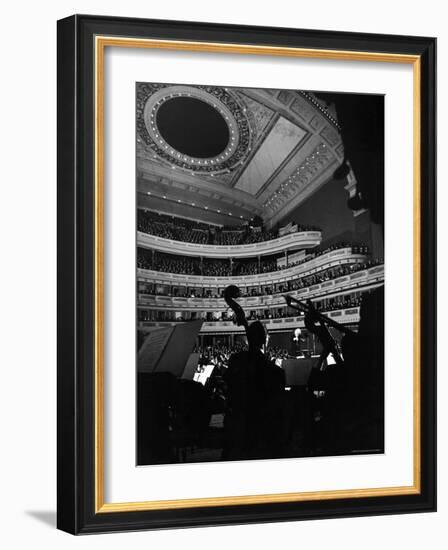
x=280, y=194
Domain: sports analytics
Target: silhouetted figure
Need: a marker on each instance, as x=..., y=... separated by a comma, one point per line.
x=254, y=420
x=352, y=411
x=368, y=375
x=296, y=344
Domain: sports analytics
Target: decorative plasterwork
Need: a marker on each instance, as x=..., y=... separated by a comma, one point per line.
x=312, y=165
x=296, y=176
x=283, y=138
x=258, y=114
x=151, y=96
x=325, y=111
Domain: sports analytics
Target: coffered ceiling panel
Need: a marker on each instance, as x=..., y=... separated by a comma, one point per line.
x=278, y=144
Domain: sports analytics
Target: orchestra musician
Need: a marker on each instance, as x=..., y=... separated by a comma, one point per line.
x=351, y=375
x=254, y=418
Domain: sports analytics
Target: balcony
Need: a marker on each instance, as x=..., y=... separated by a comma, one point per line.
x=285, y=324
x=365, y=280
x=330, y=259
x=293, y=241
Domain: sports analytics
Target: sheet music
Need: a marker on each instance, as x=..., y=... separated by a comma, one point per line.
x=167, y=349
x=152, y=348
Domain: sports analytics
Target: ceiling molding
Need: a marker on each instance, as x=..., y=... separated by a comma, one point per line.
x=149, y=171
x=150, y=96
x=289, y=203
x=289, y=180
x=306, y=140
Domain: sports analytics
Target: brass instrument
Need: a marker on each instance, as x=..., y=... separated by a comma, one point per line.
x=321, y=331
x=308, y=308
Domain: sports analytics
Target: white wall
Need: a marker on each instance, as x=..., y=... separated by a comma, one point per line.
x=27, y=304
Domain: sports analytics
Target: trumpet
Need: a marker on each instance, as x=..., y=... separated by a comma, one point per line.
x=308, y=308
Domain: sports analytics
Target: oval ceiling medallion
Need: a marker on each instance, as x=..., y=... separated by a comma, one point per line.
x=201, y=129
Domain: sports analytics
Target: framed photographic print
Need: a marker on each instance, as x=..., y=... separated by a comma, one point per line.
x=246, y=274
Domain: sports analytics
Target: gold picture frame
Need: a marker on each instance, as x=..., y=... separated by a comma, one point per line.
x=95, y=36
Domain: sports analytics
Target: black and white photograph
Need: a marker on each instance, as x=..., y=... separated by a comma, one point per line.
x=259, y=273
x=223, y=275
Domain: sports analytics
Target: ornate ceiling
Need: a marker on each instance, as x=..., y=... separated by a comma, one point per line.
x=224, y=154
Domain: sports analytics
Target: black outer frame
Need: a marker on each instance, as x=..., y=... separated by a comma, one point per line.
x=75, y=404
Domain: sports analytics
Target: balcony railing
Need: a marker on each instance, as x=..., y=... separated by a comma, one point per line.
x=365, y=280
x=284, y=324
x=330, y=259
x=293, y=241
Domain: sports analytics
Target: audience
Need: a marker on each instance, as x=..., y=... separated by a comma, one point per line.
x=322, y=304
x=339, y=302
x=219, y=354
x=211, y=267
x=180, y=229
